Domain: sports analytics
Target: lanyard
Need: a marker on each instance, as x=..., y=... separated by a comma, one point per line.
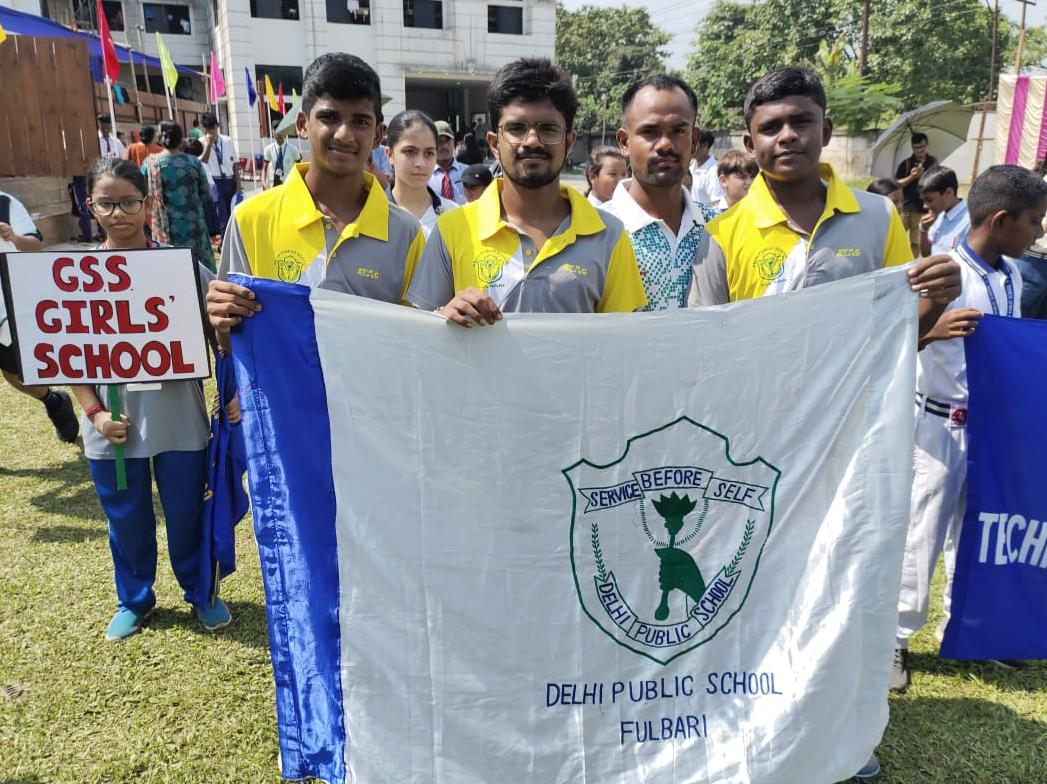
x=279, y=162
x=1008, y=284
x=218, y=152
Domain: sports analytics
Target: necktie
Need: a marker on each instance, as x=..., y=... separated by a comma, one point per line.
x=446, y=188
x=108, y=148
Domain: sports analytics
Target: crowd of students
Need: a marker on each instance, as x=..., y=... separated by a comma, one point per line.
x=779, y=220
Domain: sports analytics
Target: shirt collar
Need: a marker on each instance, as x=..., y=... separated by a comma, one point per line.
x=636, y=217
x=373, y=219
x=983, y=266
x=767, y=213
x=955, y=210
x=584, y=218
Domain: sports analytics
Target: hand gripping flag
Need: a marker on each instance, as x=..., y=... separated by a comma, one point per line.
x=252, y=93
x=110, y=65
x=167, y=66
x=216, y=84
x=676, y=556
x=225, y=502
x=999, y=592
x=270, y=96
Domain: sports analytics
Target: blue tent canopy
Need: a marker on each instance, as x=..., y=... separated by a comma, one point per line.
x=20, y=23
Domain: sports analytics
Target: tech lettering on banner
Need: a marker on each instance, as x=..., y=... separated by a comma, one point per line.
x=106, y=316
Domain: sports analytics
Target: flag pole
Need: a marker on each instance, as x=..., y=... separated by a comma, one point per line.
x=145, y=65
x=255, y=132
x=109, y=95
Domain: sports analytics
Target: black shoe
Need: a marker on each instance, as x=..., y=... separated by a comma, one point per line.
x=60, y=411
x=1010, y=664
x=900, y=670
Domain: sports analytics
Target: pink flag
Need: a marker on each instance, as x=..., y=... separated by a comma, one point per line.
x=217, y=85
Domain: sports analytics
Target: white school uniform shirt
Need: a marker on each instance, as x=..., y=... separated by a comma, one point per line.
x=595, y=200
x=111, y=147
x=941, y=368
x=950, y=228
x=705, y=185
x=22, y=224
x=222, y=159
x=432, y=212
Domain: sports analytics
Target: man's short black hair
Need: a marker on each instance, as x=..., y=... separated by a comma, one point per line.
x=146, y=134
x=344, y=77
x=884, y=186
x=937, y=179
x=783, y=83
x=918, y=138
x=104, y=119
x=531, y=79
x=1007, y=187
x=706, y=138
x=660, y=82
x=208, y=120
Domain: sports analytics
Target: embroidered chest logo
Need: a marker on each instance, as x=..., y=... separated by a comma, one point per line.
x=666, y=540
x=770, y=264
x=289, y=266
x=370, y=274
x=488, y=267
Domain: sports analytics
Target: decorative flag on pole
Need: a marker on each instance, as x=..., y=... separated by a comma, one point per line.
x=270, y=95
x=110, y=65
x=3, y=34
x=999, y=591
x=280, y=99
x=689, y=572
x=252, y=93
x=287, y=124
x=167, y=66
x=217, y=81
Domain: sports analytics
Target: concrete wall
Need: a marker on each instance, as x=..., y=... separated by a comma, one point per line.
x=47, y=200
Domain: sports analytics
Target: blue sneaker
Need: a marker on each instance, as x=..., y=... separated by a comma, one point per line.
x=870, y=770
x=126, y=623
x=215, y=616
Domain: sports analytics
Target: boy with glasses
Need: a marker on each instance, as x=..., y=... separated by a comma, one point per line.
x=528, y=244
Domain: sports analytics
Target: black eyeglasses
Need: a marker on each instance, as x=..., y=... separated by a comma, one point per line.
x=548, y=132
x=127, y=206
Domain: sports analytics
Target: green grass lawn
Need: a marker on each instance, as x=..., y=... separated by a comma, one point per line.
x=176, y=704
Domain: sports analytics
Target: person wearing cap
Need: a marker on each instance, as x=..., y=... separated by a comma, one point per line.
x=475, y=180
x=447, y=178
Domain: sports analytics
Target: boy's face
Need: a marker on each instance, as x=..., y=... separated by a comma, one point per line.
x=786, y=137
x=1016, y=235
x=341, y=134
x=659, y=136
x=938, y=201
x=528, y=161
x=473, y=192
x=735, y=185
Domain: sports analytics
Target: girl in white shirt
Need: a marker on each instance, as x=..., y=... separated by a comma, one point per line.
x=412, y=153
x=604, y=170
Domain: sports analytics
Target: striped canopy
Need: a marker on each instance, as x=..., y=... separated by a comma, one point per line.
x=1021, y=120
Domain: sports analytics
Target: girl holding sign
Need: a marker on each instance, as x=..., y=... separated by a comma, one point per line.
x=163, y=429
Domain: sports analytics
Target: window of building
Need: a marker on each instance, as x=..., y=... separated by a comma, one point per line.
x=114, y=14
x=349, y=11
x=424, y=13
x=274, y=9
x=167, y=19
x=504, y=19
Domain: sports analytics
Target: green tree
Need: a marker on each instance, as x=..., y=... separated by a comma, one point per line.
x=604, y=49
x=857, y=102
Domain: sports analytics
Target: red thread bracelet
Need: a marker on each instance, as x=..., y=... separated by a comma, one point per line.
x=95, y=409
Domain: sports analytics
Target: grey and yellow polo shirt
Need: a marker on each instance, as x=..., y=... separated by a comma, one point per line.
x=753, y=250
x=280, y=234
x=586, y=266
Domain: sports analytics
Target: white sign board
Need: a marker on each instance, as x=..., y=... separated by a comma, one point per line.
x=103, y=316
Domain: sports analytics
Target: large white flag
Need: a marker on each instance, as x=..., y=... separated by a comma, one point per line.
x=657, y=548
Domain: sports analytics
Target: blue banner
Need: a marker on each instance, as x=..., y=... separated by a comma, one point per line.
x=999, y=596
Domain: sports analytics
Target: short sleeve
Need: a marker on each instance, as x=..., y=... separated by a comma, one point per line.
x=623, y=290
x=896, y=250
x=709, y=279
x=20, y=221
x=234, y=255
x=432, y=284
x=414, y=254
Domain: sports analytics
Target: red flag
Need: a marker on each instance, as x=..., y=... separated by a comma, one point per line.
x=109, y=62
x=280, y=98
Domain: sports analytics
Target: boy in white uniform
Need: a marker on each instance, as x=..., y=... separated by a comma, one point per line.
x=1006, y=206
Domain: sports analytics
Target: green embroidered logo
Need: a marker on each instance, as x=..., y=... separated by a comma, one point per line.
x=289, y=266
x=488, y=266
x=770, y=263
x=666, y=539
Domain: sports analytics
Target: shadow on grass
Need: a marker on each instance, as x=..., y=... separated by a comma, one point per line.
x=68, y=491
x=1032, y=678
x=23, y=780
x=944, y=741
x=248, y=626
x=64, y=534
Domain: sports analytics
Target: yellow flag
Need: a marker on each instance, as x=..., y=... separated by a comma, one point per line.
x=270, y=96
x=3, y=35
x=167, y=66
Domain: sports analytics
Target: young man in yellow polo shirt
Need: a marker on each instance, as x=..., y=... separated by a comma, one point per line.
x=528, y=244
x=800, y=224
x=329, y=224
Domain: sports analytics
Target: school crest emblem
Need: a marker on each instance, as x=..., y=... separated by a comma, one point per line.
x=488, y=267
x=770, y=263
x=289, y=266
x=666, y=540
